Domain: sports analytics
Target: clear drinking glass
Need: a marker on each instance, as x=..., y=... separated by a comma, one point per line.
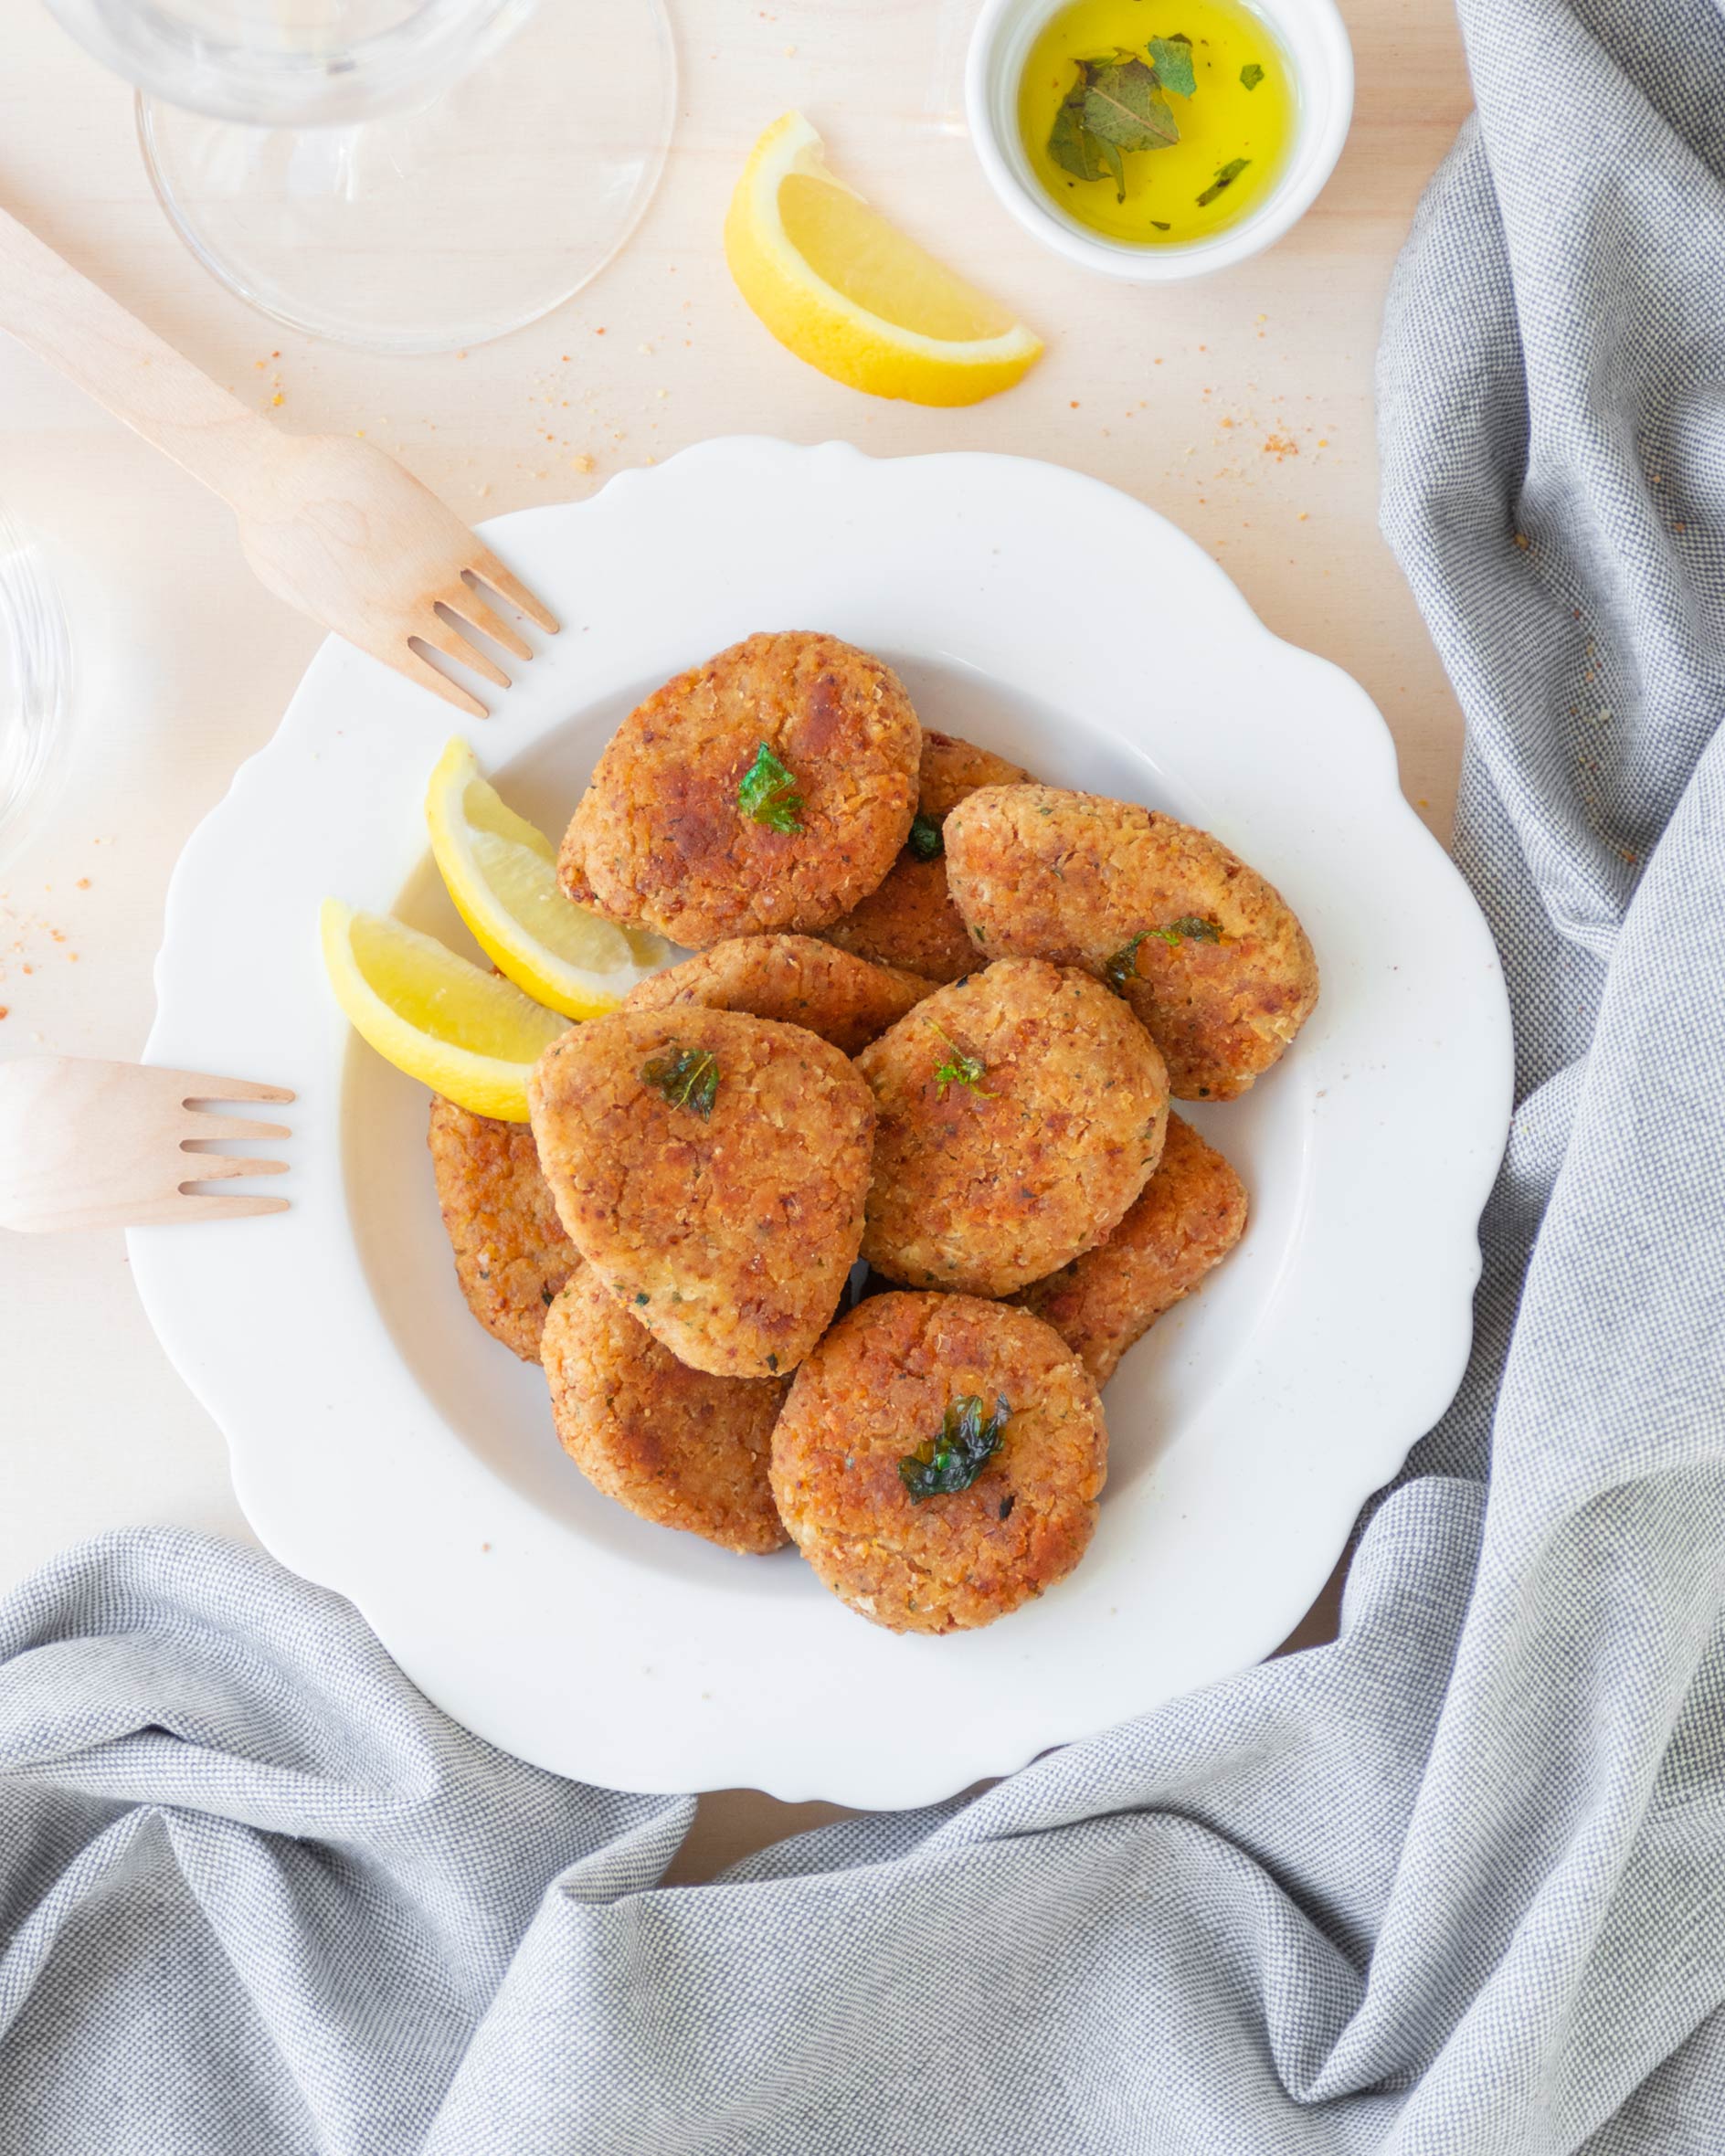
x=36, y=671
x=410, y=175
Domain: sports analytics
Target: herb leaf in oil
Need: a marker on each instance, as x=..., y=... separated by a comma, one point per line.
x=969, y=1440
x=1124, y=105
x=1116, y=106
x=688, y=1077
x=925, y=841
x=1251, y=74
x=1226, y=177
x=1172, y=59
x=1071, y=143
x=769, y=793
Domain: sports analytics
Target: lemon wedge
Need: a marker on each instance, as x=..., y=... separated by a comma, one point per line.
x=847, y=291
x=501, y=873
x=439, y=1018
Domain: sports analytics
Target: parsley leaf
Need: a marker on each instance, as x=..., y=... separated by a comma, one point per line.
x=1124, y=964
x=688, y=1077
x=969, y=1440
x=769, y=793
x=925, y=841
x=1122, y=969
x=1226, y=177
x=1252, y=74
x=1189, y=928
x=959, y=1069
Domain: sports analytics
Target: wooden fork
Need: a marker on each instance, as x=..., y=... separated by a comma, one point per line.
x=96, y=1145
x=330, y=523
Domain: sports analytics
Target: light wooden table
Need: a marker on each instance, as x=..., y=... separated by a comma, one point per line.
x=1239, y=407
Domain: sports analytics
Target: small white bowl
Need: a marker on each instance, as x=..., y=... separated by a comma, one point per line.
x=1311, y=33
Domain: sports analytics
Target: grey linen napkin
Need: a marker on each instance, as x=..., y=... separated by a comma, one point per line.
x=1455, y=1884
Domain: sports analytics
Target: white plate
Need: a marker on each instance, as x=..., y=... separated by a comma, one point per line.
x=384, y=1445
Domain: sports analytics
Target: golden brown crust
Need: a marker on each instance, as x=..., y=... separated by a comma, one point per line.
x=572, y=862
x=660, y=837
x=678, y=1447
x=1075, y=878
x=911, y=921
x=797, y=980
x=729, y=1236
x=511, y=1255
x=951, y=770
x=984, y=1188
x=1190, y=1215
x=875, y=1389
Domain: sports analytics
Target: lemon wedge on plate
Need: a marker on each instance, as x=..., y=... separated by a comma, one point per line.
x=502, y=873
x=852, y=294
x=439, y=1018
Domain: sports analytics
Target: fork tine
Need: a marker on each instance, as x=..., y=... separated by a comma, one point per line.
x=198, y=1085
x=449, y=638
x=465, y=603
x=489, y=570
x=200, y=1205
x=418, y=667
x=230, y=1127
x=210, y=1167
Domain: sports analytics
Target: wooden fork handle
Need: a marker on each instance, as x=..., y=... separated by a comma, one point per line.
x=93, y=342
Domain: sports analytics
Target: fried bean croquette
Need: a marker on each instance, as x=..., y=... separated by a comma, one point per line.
x=1190, y=1215
x=680, y=1448
x=797, y=980
x=1021, y=1112
x=770, y=788
x=712, y=1167
x=1204, y=950
x=940, y=1460
x=911, y=920
x=952, y=770
x=512, y=1254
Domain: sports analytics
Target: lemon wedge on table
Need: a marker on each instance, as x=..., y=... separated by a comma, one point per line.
x=848, y=292
x=502, y=873
x=439, y=1018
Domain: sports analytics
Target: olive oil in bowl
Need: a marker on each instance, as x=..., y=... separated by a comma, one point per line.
x=1157, y=123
